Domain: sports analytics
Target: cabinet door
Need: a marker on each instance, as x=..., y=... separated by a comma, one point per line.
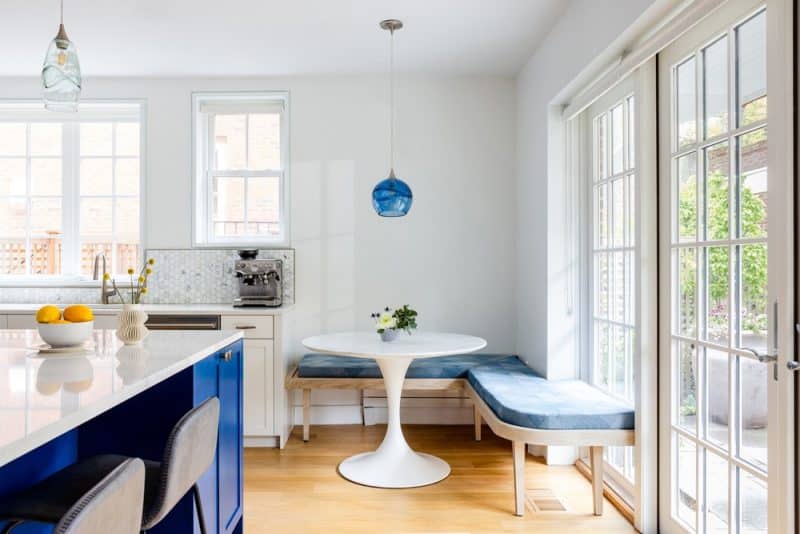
x=229, y=449
x=259, y=408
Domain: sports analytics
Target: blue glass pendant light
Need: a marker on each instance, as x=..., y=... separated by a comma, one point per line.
x=61, y=72
x=391, y=197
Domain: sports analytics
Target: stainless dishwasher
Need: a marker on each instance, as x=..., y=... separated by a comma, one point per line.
x=184, y=322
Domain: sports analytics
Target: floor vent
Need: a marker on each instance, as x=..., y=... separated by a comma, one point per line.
x=544, y=500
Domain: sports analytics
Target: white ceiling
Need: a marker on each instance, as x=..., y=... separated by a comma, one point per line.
x=271, y=37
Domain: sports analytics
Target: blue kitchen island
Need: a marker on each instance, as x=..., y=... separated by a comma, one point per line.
x=56, y=410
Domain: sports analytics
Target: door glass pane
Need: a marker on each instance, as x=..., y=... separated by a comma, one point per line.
x=717, y=390
x=602, y=345
x=715, y=87
x=618, y=212
x=602, y=284
x=752, y=266
x=630, y=210
x=754, y=379
x=602, y=214
x=717, y=202
x=687, y=288
x=96, y=176
x=46, y=176
x=687, y=386
x=687, y=197
x=600, y=146
x=46, y=139
x=751, y=79
x=752, y=164
x=618, y=267
x=45, y=216
x=631, y=133
x=717, y=295
x=617, y=139
x=754, y=503
x=686, y=487
x=13, y=218
x=686, y=82
x=619, y=362
x=13, y=177
x=717, y=474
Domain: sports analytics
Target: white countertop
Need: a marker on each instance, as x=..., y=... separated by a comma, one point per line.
x=44, y=397
x=177, y=309
x=416, y=345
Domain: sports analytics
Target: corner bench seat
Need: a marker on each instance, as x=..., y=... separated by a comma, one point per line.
x=515, y=402
x=519, y=396
x=315, y=365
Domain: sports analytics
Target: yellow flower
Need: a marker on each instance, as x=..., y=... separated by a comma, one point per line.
x=106, y=276
x=148, y=271
x=130, y=271
x=144, y=290
x=151, y=261
x=141, y=279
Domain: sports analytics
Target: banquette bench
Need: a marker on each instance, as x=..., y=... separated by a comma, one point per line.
x=515, y=402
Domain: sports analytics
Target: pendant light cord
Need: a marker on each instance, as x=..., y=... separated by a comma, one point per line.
x=62, y=11
x=391, y=101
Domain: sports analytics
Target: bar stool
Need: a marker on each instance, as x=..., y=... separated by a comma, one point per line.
x=188, y=453
x=113, y=505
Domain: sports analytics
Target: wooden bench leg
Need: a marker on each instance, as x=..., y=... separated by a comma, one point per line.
x=596, y=457
x=518, y=449
x=478, y=422
x=306, y=414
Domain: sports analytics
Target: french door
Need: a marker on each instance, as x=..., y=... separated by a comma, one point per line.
x=726, y=430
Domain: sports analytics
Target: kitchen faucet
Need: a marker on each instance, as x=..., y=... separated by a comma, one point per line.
x=105, y=293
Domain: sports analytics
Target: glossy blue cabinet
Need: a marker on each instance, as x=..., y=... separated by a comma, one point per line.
x=140, y=426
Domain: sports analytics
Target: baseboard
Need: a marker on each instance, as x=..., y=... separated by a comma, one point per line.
x=261, y=441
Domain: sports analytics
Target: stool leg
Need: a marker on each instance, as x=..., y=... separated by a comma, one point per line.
x=10, y=525
x=518, y=449
x=306, y=414
x=478, y=422
x=596, y=457
x=201, y=518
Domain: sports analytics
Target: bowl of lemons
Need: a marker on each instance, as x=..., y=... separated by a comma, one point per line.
x=69, y=328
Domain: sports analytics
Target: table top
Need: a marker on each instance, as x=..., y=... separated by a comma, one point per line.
x=43, y=397
x=416, y=345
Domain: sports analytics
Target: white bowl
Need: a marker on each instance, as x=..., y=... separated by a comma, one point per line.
x=65, y=334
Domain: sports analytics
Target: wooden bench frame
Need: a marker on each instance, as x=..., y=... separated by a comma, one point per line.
x=295, y=381
x=519, y=436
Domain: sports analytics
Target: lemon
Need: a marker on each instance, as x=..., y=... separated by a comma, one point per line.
x=78, y=313
x=48, y=314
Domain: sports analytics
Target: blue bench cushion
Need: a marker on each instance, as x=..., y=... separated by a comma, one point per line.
x=328, y=366
x=517, y=395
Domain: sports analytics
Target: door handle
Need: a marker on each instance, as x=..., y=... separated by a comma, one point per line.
x=763, y=358
x=245, y=327
x=227, y=356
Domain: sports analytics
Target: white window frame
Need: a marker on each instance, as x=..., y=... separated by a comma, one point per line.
x=95, y=110
x=202, y=164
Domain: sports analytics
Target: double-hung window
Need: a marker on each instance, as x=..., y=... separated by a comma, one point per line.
x=69, y=189
x=240, y=158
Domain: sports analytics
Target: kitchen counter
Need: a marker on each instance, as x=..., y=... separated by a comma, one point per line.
x=178, y=309
x=43, y=397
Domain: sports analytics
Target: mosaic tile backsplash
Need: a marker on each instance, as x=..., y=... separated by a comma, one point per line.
x=206, y=276
x=181, y=276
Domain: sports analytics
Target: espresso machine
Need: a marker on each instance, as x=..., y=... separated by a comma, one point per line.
x=259, y=280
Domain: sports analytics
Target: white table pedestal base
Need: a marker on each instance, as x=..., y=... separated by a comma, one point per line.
x=394, y=464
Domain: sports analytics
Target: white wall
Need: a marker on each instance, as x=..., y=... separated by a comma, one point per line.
x=453, y=258
x=583, y=33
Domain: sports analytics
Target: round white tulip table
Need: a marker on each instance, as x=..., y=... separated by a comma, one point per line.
x=394, y=464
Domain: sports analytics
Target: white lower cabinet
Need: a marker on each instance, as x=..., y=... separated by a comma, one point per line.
x=259, y=391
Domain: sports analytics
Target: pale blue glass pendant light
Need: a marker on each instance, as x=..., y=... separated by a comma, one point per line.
x=61, y=72
x=391, y=197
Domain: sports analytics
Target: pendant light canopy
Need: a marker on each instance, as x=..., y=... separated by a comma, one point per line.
x=391, y=197
x=61, y=72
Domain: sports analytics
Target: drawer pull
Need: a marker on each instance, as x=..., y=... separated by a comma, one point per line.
x=227, y=356
x=245, y=327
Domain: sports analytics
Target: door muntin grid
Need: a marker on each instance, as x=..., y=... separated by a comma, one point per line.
x=719, y=266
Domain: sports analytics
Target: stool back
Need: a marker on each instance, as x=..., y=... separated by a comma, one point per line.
x=189, y=452
x=113, y=505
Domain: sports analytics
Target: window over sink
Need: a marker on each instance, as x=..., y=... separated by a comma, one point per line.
x=240, y=162
x=70, y=188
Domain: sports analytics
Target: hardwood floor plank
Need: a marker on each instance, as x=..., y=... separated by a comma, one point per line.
x=298, y=489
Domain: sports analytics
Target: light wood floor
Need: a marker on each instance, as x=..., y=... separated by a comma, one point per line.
x=299, y=490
